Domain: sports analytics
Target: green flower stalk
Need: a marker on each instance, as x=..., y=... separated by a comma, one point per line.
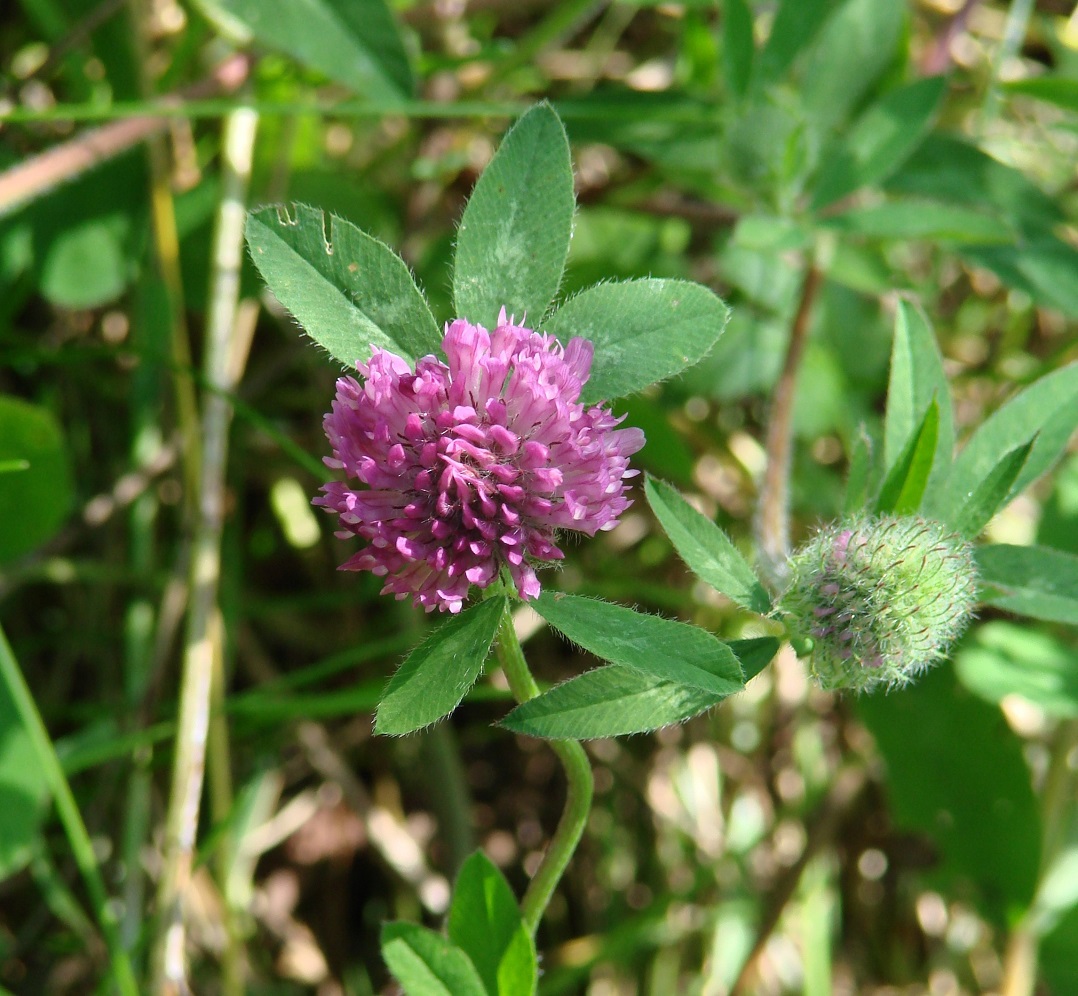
x=877, y=601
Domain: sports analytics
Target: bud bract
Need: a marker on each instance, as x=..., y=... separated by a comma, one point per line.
x=876, y=601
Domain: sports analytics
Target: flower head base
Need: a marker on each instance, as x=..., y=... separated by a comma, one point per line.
x=474, y=464
x=876, y=601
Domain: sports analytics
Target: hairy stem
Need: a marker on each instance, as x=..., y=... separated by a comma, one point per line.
x=577, y=772
x=123, y=976
x=773, y=521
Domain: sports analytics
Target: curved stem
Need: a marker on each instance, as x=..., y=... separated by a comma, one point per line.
x=577, y=772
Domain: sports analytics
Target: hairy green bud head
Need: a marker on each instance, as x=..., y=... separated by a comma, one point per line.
x=876, y=601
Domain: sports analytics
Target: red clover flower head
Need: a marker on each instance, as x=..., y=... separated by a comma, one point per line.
x=875, y=601
x=473, y=464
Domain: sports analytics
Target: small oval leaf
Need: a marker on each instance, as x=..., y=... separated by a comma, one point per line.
x=514, y=235
x=608, y=702
x=881, y=140
x=485, y=923
x=663, y=648
x=348, y=290
x=643, y=331
x=1003, y=658
x=435, y=676
x=37, y=492
x=705, y=548
x=426, y=964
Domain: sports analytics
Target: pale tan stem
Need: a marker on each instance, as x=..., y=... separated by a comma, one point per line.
x=773, y=519
x=198, y=665
x=36, y=176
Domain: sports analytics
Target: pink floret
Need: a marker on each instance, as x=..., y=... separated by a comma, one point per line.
x=473, y=464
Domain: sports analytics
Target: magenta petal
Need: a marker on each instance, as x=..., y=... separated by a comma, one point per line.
x=468, y=466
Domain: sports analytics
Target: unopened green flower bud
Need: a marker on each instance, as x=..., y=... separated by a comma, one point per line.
x=876, y=601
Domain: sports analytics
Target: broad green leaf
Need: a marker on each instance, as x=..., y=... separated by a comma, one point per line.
x=1003, y=659
x=23, y=794
x=426, y=964
x=1033, y=581
x=485, y=923
x=35, y=501
x=705, y=548
x=794, y=26
x=669, y=128
x=355, y=42
x=769, y=233
x=950, y=171
x=88, y=264
x=1059, y=90
x=858, y=267
x=992, y=493
x=81, y=241
x=956, y=774
x=738, y=45
x=347, y=290
x=1043, y=266
x=867, y=33
x=1058, y=526
x=662, y=648
x=916, y=378
x=918, y=219
x=880, y=140
x=905, y=483
x=514, y=235
x=438, y=673
x=607, y=702
x=1056, y=962
x=643, y=331
x=1047, y=409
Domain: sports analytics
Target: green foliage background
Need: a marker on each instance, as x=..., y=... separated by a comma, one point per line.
x=917, y=158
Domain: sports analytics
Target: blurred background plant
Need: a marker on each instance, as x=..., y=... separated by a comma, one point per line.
x=814, y=162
